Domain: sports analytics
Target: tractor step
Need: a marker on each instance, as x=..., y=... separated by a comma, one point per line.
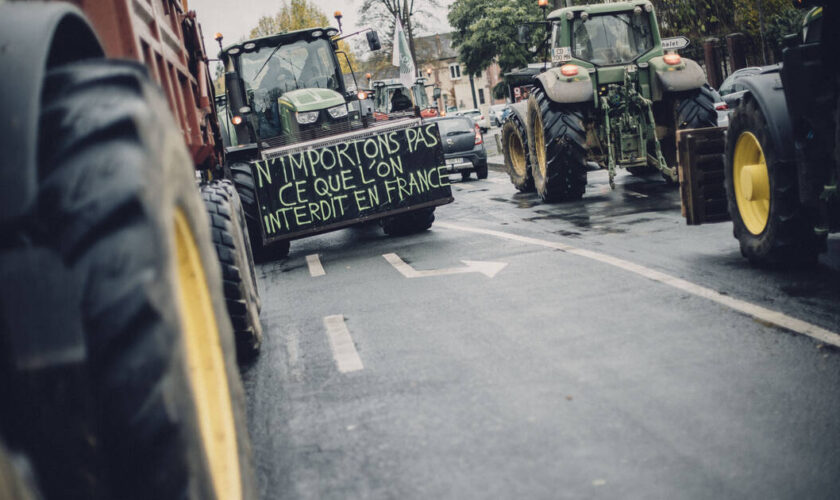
x=701, y=164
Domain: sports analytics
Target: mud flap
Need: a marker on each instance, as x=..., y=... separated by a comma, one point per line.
x=701, y=164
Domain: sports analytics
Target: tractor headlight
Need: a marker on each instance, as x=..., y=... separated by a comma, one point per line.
x=307, y=118
x=338, y=111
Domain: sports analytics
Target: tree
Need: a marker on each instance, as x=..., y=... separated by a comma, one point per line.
x=411, y=13
x=296, y=15
x=486, y=30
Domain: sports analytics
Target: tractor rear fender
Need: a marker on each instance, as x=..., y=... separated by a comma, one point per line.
x=687, y=75
x=768, y=92
x=520, y=109
x=567, y=89
x=33, y=38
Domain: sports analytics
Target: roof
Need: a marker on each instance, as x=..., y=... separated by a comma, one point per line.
x=277, y=38
x=434, y=47
x=600, y=8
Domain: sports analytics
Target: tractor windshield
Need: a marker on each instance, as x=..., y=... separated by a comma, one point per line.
x=421, y=100
x=611, y=39
x=269, y=72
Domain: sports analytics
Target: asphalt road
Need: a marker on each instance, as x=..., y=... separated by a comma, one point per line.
x=614, y=353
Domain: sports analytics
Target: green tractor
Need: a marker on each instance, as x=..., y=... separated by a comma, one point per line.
x=781, y=164
x=616, y=94
x=383, y=91
x=300, y=148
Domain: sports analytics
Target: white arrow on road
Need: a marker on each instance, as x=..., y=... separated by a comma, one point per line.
x=488, y=269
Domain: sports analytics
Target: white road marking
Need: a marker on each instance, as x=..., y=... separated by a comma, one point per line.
x=488, y=269
x=341, y=343
x=315, y=267
x=760, y=313
x=633, y=193
x=293, y=355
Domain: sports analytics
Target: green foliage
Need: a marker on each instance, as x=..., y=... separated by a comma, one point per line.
x=785, y=23
x=487, y=29
x=700, y=19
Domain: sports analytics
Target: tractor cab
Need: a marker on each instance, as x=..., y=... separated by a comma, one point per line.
x=384, y=92
x=288, y=87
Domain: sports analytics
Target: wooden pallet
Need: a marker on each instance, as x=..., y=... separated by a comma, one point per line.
x=701, y=164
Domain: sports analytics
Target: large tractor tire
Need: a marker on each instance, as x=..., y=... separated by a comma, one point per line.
x=230, y=237
x=517, y=156
x=243, y=179
x=686, y=110
x=761, y=189
x=119, y=205
x=557, y=141
x=408, y=223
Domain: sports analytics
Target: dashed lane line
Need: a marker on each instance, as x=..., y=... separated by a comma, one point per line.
x=341, y=343
x=760, y=313
x=314, y=264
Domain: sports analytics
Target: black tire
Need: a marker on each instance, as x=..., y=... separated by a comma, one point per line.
x=559, y=168
x=516, y=152
x=230, y=237
x=118, y=201
x=408, y=223
x=481, y=171
x=465, y=175
x=686, y=110
x=243, y=180
x=788, y=237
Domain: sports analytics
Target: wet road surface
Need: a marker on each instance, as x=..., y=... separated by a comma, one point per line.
x=610, y=352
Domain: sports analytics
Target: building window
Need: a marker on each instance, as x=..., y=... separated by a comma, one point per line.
x=481, y=96
x=454, y=71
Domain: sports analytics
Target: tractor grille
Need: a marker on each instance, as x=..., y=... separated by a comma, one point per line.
x=311, y=134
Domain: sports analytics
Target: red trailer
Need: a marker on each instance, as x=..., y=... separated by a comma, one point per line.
x=165, y=36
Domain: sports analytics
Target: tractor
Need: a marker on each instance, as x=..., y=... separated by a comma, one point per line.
x=781, y=161
x=615, y=94
x=292, y=121
x=383, y=90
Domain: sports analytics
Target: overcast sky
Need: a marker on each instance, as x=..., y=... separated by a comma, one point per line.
x=235, y=18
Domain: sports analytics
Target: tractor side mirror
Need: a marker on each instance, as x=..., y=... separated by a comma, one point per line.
x=436, y=93
x=523, y=33
x=373, y=40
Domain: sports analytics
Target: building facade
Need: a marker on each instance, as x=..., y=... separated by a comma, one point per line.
x=437, y=60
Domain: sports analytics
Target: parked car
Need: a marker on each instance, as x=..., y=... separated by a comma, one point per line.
x=477, y=117
x=498, y=113
x=733, y=88
x=463, y=146
x=721, y=107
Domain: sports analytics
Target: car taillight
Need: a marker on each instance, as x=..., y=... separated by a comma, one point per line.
x=478, y=138
x=722, y=107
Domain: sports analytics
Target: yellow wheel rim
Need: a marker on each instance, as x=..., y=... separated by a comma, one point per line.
x=539, y=144
x=205, y=365
x=752, y=183
x=517, y=154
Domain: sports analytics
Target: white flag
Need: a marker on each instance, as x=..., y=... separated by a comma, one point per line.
x=402, y=56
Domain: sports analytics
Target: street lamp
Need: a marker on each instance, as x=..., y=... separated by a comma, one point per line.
x=543, y=4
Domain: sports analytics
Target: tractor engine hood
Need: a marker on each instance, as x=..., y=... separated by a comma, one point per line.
x=303, y=100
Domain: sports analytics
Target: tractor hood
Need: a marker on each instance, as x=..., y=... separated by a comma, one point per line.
x=311, y=99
